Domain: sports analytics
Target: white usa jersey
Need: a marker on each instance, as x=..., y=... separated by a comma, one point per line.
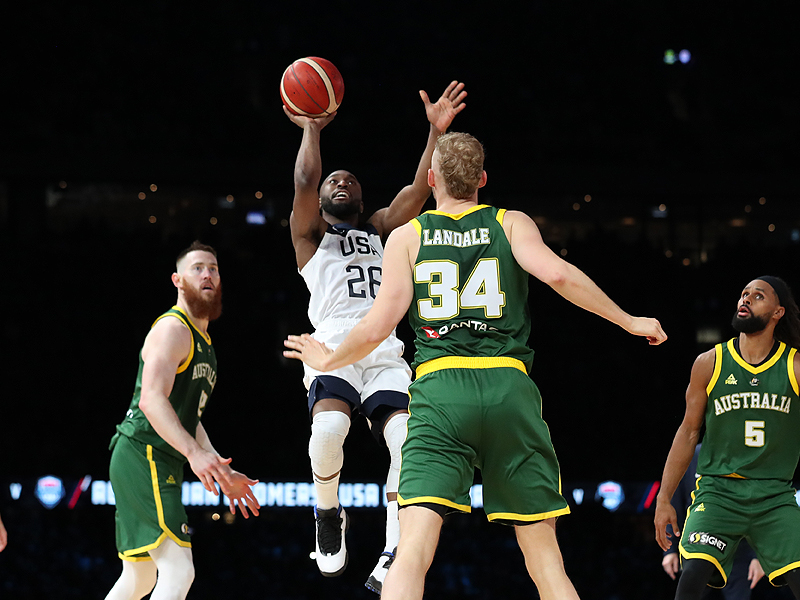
x=344, y=274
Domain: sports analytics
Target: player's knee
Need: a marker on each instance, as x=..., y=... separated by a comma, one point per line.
x=328, y=431
x=394, y=433
x=695, y=576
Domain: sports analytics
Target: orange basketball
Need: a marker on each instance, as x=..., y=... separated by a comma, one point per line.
x=312, y=87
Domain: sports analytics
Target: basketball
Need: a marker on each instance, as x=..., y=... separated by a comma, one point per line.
x=312, y=87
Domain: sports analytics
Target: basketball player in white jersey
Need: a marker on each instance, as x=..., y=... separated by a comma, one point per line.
x=339, y=256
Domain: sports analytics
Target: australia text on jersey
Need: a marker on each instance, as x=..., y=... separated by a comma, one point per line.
x=445, y=237
x=204, y=371
x=730, y=402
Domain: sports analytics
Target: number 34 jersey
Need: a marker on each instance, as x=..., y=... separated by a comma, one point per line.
x=344, y=274
x=752, y=417
x=470, y=294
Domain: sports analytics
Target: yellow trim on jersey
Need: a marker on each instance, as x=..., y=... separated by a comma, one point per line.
x=783, y=570
x=792, y=374
x=469, y=362
x=709, y=558
x=735, y=476
x=432, y=500
x=530, y=518
x=159, y=512
x=501, y=213
x=417, y=225
x=205, y=336
x=137, y=558
x=717, y=369
x=459, y=215
x=747, y=366
x=185, y=364
x=187, y=322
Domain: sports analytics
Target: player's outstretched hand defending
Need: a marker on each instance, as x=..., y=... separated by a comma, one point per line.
x=666, y=515
x=442, y=113
x=310, y=351
x=649, y=328
x=241, y=493
x=209, y=467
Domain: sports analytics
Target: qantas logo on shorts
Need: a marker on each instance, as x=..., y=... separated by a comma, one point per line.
x=707, y=539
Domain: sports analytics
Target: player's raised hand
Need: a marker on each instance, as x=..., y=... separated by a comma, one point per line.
x=240, y=494
x=649, y=328
x=303, y=121
x=666, y=515
x=306, y=348
x=442, y=113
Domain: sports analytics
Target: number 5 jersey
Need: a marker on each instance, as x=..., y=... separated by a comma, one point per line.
x=752, y=423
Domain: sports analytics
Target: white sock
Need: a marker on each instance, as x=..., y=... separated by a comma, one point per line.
x=395, y=434
x=136, y=581
x=328, y=432
x=175, y=571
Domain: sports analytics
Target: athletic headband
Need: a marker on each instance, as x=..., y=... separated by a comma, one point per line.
x=780, y=287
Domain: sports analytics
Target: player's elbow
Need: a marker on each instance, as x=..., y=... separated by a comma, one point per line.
x=147, y=403
x=556, y=276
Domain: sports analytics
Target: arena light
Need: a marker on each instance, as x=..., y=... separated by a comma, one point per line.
x=610, y=492
x=684, y=56
x=256, y=218
x=49, y=491
x=669, y=56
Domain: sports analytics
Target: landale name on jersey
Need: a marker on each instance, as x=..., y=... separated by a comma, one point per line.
x=445, y=329
x=445, y=237
x=730, y=402
x=204, y=371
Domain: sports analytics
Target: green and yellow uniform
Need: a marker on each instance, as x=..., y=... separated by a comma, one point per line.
x=473, y=403
x=746, y=464
x=146, y=472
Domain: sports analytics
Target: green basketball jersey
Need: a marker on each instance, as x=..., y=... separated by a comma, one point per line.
x=470, y=295
x=752, y=417
x=194, y=382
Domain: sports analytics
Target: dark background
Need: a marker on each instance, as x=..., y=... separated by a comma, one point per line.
x=690, y=169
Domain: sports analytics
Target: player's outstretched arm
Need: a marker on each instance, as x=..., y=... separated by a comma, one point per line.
x=393, y=299
x=539, y=260
x=165, y=348
x=683, y=447
x=305, y=219
x=409, y=202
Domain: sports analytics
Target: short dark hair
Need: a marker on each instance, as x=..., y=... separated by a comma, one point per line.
x=196, y=245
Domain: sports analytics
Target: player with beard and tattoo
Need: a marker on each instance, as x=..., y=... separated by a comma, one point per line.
x=745, y=392
x=339, y=256
x=161, y=432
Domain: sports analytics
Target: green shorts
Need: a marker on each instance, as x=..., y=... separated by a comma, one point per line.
x=489, y=418
x=147, y=489
x=725, y=509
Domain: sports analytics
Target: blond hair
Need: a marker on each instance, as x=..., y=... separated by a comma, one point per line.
x=460, y=163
